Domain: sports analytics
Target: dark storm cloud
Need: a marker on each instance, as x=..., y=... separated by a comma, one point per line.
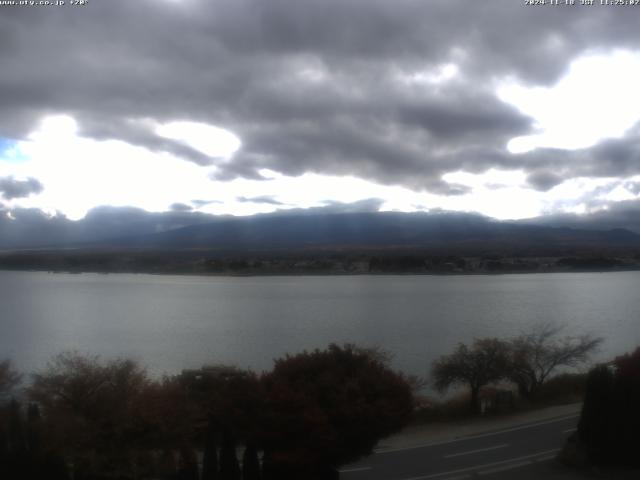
x=11, y=188
x=463, y=114
x=618, y=157
x=325, y=86
x=611, y=158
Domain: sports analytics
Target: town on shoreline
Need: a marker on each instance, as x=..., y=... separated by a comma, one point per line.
x=333, y=262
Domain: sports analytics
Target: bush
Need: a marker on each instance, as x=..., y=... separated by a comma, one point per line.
x=454, y=407
x=563, y=388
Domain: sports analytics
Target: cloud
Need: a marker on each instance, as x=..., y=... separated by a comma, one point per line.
x=268, y=199
x=29, y=228
x=633, y=187
x=569, y=115
x=11, y=188
x=332, y=87
x=32, y=227
x=608, y=215
x=180, y=207
x=544, y=180
x=332, y=206
x=366, y=205
x=201, y=203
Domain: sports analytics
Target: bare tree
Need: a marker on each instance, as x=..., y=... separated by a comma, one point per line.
x=486, y=361
x=535, y=355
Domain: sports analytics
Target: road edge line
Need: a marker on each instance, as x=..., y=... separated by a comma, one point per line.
x=515, y=460
x=480, y=435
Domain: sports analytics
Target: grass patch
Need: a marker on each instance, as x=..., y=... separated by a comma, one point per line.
x=562, y=389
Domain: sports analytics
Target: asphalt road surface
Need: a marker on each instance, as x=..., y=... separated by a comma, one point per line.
x=508, y=453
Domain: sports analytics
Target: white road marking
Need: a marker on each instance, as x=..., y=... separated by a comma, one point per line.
x=504, y=468
x=569, y=430
x=476, y=451
x=356, y=469
x=481, y=435
x=512, y=461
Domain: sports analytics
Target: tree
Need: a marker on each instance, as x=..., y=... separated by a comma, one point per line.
x=595, y=425
x=228, y=403
x=93, y=410
x=210, y=456
x=17, y=438
x=71, y=382
x=167, y=465
x=250, y=463
x=225, y=397
x=16, y=459
x=610, y=418
x=9, y=379
x=187, y=464
x=537, y=354
x=484, y=362
x=229, y=466
x=166, y=414
x=626, y=409
x=329, y=407
x=23, y=453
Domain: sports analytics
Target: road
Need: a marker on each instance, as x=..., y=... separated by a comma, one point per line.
x=488, y=455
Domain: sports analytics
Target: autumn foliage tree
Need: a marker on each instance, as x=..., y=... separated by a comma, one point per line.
x=328, y=407
x=226, y=398
x=484, y=362
x=313, y=412
x=92, y=410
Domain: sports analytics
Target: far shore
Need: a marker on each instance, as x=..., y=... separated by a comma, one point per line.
x=297, y=273
x=302, y=263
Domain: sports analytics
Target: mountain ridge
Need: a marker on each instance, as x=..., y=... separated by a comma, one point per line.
x=295, y=231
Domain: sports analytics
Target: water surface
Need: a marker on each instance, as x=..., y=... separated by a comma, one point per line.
x=175, y=322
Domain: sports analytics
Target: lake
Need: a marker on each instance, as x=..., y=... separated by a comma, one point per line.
x=175, y=322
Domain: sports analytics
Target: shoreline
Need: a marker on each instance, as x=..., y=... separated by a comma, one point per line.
x=312, y=273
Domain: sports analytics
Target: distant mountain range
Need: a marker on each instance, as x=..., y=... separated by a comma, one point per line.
x=370, y=230
x=128, y=228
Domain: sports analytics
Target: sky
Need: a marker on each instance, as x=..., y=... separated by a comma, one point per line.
x=252, y=106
